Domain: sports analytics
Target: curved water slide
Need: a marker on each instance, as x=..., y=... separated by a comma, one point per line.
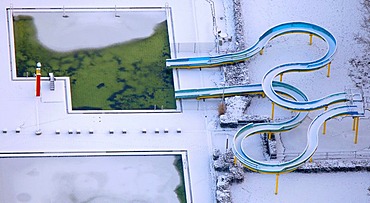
x=282, y=29
x=352, y=109
x=309, y=150
x=286, y=28
x=276, y=91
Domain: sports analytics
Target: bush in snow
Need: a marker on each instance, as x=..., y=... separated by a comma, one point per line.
x=223, y=161
x=221, y=108
x=229, y=156
x=237, y=173
x=223, y=182
x=223, y=196
x=227, y=174
x=365, y=39
x=220, y=165
x=361, y=65
x=236, y=74
x=216, y=154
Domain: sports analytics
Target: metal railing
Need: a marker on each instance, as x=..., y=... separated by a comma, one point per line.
x=364, y=154
x=195, y=47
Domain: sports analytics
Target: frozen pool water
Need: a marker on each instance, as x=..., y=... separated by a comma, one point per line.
x=113, y=179
x=92, y=29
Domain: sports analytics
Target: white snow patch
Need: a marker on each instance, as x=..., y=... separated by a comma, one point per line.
x=304, y=188
x=82, y=30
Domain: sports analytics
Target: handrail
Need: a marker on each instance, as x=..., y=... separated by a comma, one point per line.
x=330, y=155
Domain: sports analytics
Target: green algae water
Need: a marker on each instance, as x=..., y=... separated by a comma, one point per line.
x=126, y=76
x=180, y=189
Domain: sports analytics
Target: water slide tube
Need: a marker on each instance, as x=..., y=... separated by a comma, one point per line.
x=282, y=29
x=257, y=128
x=273, y=90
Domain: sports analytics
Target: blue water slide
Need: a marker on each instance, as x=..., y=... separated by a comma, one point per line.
x=309, y=150
x=301, y=67
x=286, y=28
x=350, y=105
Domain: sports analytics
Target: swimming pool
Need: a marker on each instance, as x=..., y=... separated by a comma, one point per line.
x=115, y=60
x=91, y=177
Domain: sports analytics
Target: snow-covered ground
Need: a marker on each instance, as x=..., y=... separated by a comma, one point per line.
x=350, y=187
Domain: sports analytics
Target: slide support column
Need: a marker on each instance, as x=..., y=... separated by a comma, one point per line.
x=272, y=117
x=356, y=129
x=261, y=51
x=328, y=74
x=354, y=124
x=310, y=39
x=277, y=184
x=272, y=111
x=324, y=127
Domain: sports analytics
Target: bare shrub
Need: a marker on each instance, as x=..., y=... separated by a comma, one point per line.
x=221, y=108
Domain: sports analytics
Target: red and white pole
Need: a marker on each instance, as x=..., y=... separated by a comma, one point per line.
x=38, y=94
x=38, y=80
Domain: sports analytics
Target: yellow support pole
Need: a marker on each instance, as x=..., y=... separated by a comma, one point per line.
x=311, y=159
x=261, y=51
x=324, y=127
x=354, y=124
x=272, y=111
x=328, y=74
x=281, y=77
x=310, y=39
x=356, y=132
x=277, y=184
x=263, y=95
x=234, y=160
x=269, y=135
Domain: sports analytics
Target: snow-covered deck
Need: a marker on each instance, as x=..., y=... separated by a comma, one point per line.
x=22, y=111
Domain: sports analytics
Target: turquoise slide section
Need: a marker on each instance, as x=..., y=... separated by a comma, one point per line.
x=286, y=28
x=350, y=105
